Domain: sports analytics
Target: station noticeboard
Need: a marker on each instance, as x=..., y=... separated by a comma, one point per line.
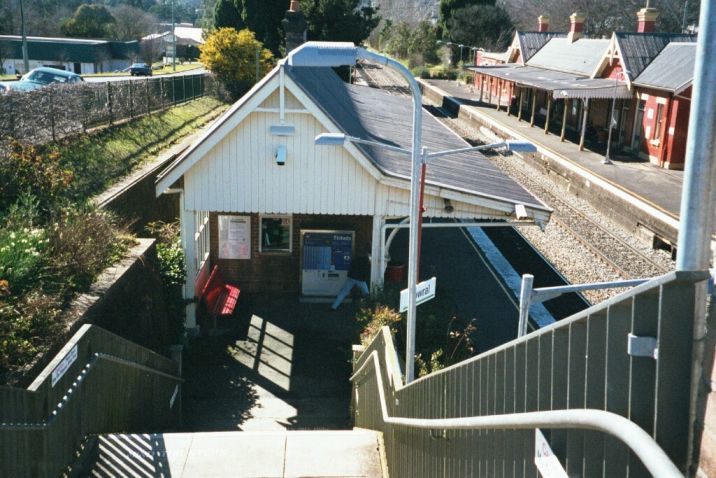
x=424, y=291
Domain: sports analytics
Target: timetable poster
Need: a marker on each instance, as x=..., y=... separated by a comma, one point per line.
x=234, y=237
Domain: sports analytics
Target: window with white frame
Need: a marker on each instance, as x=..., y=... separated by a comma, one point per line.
x=276, y=234
x=202, y=239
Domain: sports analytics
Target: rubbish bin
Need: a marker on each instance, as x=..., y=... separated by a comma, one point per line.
x=395, y=272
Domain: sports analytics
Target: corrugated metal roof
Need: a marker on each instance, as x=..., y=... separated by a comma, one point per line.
x=560, y=84
x=373, y=114
x=580, y=57
x=672, y=69
x=639, y=49
x=532, y=42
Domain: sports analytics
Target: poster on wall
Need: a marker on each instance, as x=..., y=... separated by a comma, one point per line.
x=234, y=237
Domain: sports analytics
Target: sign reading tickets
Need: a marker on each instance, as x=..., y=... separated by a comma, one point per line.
x=234, y=237
x=545, y=460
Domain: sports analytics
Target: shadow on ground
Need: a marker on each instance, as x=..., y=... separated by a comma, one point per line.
x=279, y=365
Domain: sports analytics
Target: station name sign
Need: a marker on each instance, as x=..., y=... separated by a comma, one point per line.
x=424, y=291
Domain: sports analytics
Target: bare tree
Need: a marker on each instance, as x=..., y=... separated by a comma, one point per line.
x=150, y=50
x=131, y=23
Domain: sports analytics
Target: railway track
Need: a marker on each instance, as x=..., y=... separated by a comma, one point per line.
x=595, y=235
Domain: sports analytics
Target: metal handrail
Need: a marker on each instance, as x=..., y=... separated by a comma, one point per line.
x=62, y=404
x=640, y=442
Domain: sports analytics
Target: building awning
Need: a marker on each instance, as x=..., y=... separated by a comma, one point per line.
x=559, y=84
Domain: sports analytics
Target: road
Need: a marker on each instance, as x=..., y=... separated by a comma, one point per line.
x=104, y=79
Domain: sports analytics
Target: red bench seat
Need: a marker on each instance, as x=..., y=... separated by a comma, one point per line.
x=219, y=297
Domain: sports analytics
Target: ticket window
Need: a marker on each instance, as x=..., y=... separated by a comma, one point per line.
x=325, y=260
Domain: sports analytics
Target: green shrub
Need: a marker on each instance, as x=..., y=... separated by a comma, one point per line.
x=22, y=252
x=172, y=271
x=25, y=168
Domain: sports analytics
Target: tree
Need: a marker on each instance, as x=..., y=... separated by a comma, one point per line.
x=485, y=26
x=231, y=56
x=263, y=17
x=399, y=41
x=131, y=23
x=228, y=14
x=89, y=21
x=447, y=7
x=339, y=20
x=423, y=44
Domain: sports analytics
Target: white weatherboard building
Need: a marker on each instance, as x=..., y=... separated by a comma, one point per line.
x=276, y=212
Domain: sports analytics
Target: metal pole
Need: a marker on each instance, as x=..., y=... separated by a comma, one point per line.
x=564, y=120
x=174, y=42
x=525, y=303
x=25, y=57
x=257, y=65
x=698, y=194
x=584, y=124
x=607, y=159
x=414, y=204
x=549, y=110
x=423, y=171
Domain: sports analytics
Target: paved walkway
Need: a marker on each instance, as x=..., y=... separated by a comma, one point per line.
x=657, y=186
x=240, y=455
x=282, y=365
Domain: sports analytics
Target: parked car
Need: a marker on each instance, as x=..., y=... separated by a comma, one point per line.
x=41, y=77
x=140, y=69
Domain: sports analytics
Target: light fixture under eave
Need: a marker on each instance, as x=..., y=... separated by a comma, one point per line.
x=447, y=205
x=282, y=130
x=330, y=139
x=281, y=155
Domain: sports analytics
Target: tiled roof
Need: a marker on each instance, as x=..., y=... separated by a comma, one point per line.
x=532, y=42
x=581, y=56
x=672, y=69
x=640, y=49
x=376, y=115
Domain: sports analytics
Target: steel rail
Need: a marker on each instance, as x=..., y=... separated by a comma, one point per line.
x=638, y=441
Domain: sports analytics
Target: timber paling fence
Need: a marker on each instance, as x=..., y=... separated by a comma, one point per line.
x=57, y=111
x=98, y=383
x=581, y=362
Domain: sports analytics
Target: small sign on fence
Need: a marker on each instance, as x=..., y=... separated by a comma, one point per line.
x=64, y=365
x=545, y=460
x=424, y=291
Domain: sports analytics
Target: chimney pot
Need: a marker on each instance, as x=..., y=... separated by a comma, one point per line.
x=542, y=23
x=576, y=27
x=646, y=20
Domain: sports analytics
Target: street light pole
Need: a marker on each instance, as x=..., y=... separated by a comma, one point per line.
x=174, y=42
x=25, y=57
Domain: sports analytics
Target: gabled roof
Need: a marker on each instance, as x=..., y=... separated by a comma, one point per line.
x=370, y=114
x=531, y=42
x=580, y=57
x=374, y=114
x=638, y=50
x=671, y=70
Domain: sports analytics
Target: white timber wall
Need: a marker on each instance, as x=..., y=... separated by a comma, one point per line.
x=240, y=174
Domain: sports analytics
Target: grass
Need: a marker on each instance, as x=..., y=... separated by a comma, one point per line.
x=98, y=160
x=164, y=70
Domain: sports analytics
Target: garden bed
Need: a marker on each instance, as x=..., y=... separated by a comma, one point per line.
x=53, y=242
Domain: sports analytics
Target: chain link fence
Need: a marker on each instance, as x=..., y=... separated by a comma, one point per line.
x=56, y=111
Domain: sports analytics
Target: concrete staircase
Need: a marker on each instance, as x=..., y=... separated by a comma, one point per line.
x=272, y=454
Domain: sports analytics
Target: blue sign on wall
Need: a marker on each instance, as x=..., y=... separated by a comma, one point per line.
x=327, y=251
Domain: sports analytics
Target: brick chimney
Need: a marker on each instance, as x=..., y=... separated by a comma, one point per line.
x=576, y=27
x=294, y=25
x=542, y=23
x=646, y=20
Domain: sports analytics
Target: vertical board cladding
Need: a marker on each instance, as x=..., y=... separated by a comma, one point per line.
x=241, y=173
x=280, y=271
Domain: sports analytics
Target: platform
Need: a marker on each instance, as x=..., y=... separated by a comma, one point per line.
x=640, y=189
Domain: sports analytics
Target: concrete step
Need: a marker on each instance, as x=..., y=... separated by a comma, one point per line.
x=343, y=453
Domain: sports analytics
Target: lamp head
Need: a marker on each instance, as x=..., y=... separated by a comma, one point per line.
x=518, y=146
x=330, y=139
x=324, y=54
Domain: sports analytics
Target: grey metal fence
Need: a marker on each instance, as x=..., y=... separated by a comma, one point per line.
x=604, y=358
x=57, y=111
x=98, y=383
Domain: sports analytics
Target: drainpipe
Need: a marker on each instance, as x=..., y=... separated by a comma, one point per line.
x=665, y=134
x=699, y=192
